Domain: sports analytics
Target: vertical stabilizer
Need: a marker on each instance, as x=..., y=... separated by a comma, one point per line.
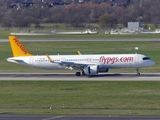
x=17, y=48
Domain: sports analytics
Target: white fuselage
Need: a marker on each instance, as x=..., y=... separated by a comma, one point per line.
x=103, y=61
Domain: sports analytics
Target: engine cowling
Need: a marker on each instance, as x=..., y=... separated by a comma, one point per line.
x=94, y=69
x=104, y=70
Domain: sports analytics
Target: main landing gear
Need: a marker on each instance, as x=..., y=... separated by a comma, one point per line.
x=78, y=73
x=138, y=73
x=83, y=73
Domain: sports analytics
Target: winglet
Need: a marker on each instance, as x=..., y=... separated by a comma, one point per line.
x=49, y=58
x=17, y=48
x=79, y=52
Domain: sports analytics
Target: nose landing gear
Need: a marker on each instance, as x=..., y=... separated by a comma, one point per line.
x=138, y=73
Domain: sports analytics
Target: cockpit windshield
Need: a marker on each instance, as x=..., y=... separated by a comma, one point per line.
x=146, y=58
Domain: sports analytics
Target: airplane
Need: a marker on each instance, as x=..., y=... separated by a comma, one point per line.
x=84, y=64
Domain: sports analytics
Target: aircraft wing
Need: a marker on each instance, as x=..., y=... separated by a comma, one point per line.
x=73, y=65
x=69, y=64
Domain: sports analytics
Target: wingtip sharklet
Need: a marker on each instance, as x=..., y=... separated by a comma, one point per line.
x=79, y=52
x=49, y=58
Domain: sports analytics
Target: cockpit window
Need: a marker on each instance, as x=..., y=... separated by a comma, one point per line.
x=146, y=58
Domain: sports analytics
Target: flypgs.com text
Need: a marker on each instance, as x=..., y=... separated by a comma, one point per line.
x=112, y=60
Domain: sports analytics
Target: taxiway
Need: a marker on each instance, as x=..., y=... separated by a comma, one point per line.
x=73, y=77
x=81, y=39
x=76, y=117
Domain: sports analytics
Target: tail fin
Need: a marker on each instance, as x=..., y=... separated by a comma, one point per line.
x=17, y=48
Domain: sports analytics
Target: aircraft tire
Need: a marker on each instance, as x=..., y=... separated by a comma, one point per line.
x=78, y=73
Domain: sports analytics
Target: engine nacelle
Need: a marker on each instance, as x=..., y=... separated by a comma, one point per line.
x=94, y=69
x=104, y=70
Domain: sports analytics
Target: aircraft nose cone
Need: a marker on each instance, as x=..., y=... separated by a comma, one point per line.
x=152, y=62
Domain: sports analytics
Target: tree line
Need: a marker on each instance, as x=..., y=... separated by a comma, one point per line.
x=104, y=14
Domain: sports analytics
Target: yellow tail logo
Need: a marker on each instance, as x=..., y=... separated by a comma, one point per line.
x=17, y=48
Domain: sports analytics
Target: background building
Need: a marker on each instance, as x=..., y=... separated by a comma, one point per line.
x=134, y=25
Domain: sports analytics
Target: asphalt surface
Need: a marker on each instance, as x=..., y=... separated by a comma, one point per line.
x=73, y=77
x=75, y=117
x=81, y=39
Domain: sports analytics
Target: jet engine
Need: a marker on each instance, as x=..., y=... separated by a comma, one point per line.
x=103, y=70
x=94, y=69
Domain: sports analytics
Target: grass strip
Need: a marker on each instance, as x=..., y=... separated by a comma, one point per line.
x=81, y=96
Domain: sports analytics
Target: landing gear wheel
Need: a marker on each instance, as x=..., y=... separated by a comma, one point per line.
x=138, y=73
x=78, y=73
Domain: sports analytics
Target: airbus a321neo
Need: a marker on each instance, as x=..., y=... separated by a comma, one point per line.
x=84, y=64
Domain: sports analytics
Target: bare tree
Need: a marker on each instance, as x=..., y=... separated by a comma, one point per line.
x=107, y=20
x=96, y=11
